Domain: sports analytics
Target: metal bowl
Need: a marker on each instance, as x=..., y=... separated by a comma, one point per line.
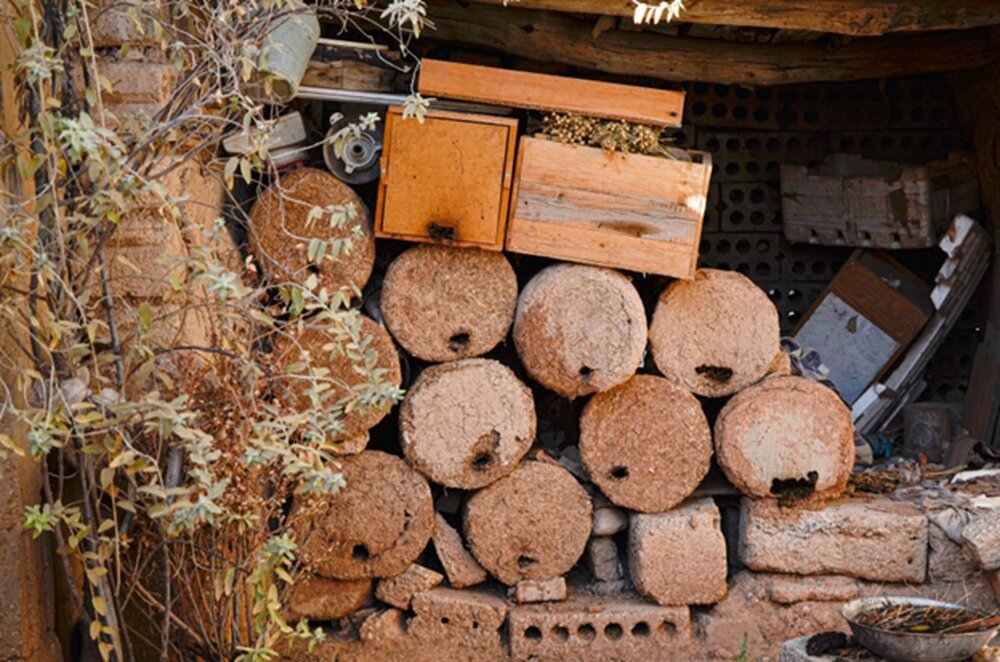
x=915, y=646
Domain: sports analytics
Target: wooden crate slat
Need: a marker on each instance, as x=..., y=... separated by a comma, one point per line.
x=521, y=89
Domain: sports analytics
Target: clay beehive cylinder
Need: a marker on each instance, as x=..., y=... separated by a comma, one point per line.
x=716, y=334
x=281, y=230
x=464, y=424
x=532, y=524
x=646, y=444
x=330, y=365
x=445, y=303
x=786, y=435
x=376, y=526
x=580, y=329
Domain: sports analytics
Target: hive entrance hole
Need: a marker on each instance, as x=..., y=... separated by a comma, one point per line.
x=458, y=342
x=716, y=373
x=482, y=461
x=586, y=372
x=640, y=629
x=790, y=490
x=619, y=472
x=361, y=553
x=525, y=561
x=532, y=632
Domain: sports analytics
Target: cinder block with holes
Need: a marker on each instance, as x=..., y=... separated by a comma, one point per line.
x=750, y=207
x=683, y=137
x=828, y=106
x=920, y=103
x=907, y=146
x=611, y=628
x=731, y=106
x=793, y=299
x=753, y=254
x=713, y=210
x=757, y=156
x=805, y=262
x=467, y=615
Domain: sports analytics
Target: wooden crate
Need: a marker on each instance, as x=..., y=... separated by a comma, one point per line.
x=864, y=320
x=850, y=201
x=446, y=180
x=628, y=211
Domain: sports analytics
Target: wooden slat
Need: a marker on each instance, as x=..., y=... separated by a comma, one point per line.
x=581, y=204
x=521, y=89
x=873, y=298
x=553, y=37
x=850, y=17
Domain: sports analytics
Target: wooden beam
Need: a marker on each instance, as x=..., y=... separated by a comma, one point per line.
x=553, y=37
x=850, y=17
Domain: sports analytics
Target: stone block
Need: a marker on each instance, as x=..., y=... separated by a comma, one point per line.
x=461, y=568
x=383, y=625
x=543, y=590
x=679, y=557
x=876, y=539
x=982, y=537
x=398, y=591
x=599, y=629
x=112, y=26
x=947, y=560
x=790, y=589
x=320, y=599
x=467, y=617
x=138, y=82
x=603, y=561
x=609, y=521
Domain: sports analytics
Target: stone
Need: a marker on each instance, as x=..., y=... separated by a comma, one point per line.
x=580, y=329
x=786, y=436
x=646, y=444
x=790, y=589
x=330, y=366
x=716, y=334
x=948, y=560
x=281, y=230
x=595, y=628
x=795, y=651
x=982, y=537
x=466, y=423
x=609, y=520
x=461, y=568
x=876, y=539
x=383, y=625
x=468, y=616
x=375, y=527
x=679, y=557
x=531, y=524
x=398, y=591
x=546, y=590
x=603, y=561
x=320, y=599
x=112, y=27
x=138, y=82
x=443, y=303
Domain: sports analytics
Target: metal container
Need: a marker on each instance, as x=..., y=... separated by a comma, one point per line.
x=914, y=646
x=288, y=45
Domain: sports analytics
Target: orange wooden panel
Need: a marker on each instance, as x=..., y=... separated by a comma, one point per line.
x=521, y=89
x=447, y=179
x=629, y=211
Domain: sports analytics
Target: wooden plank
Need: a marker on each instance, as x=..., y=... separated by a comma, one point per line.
x=880, y=303
x=627, y=211
x=522, y=89
x=850, y=17
x=447, y=179
x=552, y=37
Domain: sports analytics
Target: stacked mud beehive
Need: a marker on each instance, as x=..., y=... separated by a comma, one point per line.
x=473, y=534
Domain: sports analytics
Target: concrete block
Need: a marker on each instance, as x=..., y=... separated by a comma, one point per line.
x=460, y=566
x=790, y=589
x=876, y=539
x=398, y=591
x=112, y=26
x=543, y=590
x=679, y=557
x=982, y=537
x=138, y=82
x=468, y=617
x=947, y=560
x=320, y=599
x=599, y=629
x=603, y=561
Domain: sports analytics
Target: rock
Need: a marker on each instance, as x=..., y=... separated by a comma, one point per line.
x=398, y=591
x=786, y=436
x=444, y=303
x=138, y=82
x=466, y=616
x=646, y=444
x=464, y=424
x=679, y=557
x=383, y=625
x=982, y=538
x=531, y=524
x=546, y=590
x=609, y=520
x=877, y=539
x=716, y=334
x=320, y=599
x=283, y=225
x=460, y=566
x=603, y=561
x=790, y=589
x=376, y=527
x=580, y=329
x=947, y=560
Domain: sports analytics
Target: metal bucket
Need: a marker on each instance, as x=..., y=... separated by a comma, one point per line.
x=288, y=45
